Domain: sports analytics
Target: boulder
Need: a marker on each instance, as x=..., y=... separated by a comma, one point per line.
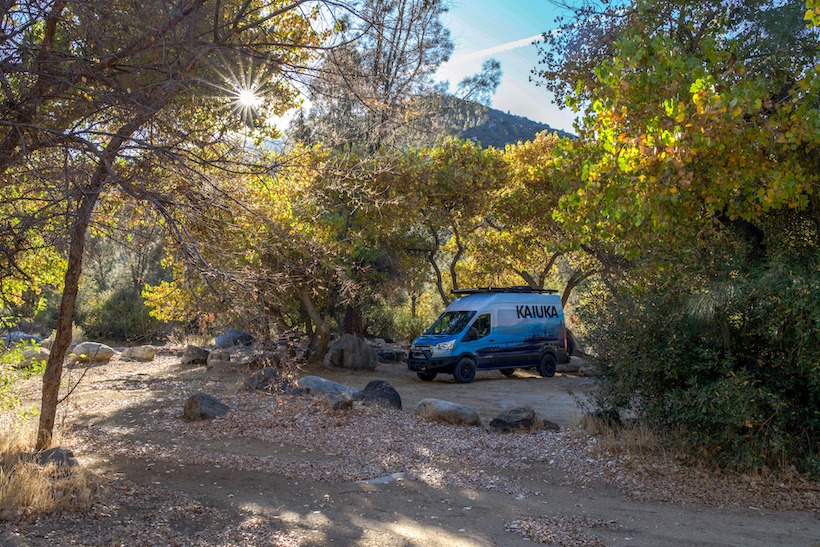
x=91, y=352
x=572, y=367
x=379, y=392
x=58, y=455
x=447, y=412
x=253, y=359
x=317, y=384
x=139, y=353
x=269, y=379
x=392, y=355
x=515, y=419
x=33, y=355
x=19, y=337
x=352, y=352
x=218, y=357
x=233, y=337
x=201, y=406
x=586, y=370
x=194, y=355
x=550, y=426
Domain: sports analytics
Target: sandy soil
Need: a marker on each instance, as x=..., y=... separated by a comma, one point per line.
x=288, y=471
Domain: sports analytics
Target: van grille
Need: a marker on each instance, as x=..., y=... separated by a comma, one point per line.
x=417, y=352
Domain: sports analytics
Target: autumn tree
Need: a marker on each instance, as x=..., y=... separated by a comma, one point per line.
x=121, y=96
x=697, y=162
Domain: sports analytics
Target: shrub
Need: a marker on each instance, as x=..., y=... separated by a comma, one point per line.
x=122, y=315
x=731, y=367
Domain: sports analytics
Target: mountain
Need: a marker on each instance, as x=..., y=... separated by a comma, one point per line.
x=499, y=129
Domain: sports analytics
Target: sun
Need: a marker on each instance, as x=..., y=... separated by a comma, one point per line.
x=247, y=98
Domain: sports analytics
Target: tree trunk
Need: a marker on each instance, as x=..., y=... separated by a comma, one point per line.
x=439, y=281
x=354, y=323
x=321, y=327
x=574, y=280
x=65, y=317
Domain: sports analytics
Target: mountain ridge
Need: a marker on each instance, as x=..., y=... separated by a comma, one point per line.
x=499, y=129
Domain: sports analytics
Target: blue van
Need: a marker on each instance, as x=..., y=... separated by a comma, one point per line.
x=493, y=329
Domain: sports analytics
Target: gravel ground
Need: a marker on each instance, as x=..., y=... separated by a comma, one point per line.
x=128, y=413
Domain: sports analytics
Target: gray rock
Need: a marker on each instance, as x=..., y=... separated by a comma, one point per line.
x=352, y=352
x=233, y=337
x=550, y=426
x=392, y=355
x=447, y=412
x=515, y=419
x=201, y=406
x=379, y=392
x=139, y=353
x=317, y=384
x=194, y=355
x=91, y=352
x=268, y=379
x=58, y=455
x=342, y=404
x=572, y=367
x=387, y=479
x=34, y=355
x=218, y=357
x=586, y=370
x=19, y=337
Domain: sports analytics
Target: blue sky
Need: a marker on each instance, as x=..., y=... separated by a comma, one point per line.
x=504, y=29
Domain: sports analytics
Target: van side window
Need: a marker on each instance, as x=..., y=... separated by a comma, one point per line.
x=480, y=328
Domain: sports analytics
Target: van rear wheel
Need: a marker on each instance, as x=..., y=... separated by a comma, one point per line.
x=427, y=376
x=464, y=371
x=547, y=366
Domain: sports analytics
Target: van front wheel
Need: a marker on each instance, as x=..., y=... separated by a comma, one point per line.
x=547, y=366
x=464, y=371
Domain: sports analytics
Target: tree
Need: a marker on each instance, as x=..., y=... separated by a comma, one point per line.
x=120, y=99
x=376, y=88
x=697, y=161
x=687, y=119
x=447, y=188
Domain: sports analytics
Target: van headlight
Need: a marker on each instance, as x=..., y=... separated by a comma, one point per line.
x=445, y=346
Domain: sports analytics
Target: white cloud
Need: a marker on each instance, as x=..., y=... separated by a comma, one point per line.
x=488, y=52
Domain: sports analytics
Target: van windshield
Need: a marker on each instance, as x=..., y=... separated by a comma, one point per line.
x=450, y=322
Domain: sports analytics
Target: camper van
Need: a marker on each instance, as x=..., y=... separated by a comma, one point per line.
x=493, y=329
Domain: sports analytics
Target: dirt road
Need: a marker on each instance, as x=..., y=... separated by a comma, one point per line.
x=127, y=428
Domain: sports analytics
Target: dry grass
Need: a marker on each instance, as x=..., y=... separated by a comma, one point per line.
x=28, y=489
x=631, y=439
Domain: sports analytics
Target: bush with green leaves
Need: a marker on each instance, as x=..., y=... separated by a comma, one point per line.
x=729, y=368
x=121, y=314
x=14, y=367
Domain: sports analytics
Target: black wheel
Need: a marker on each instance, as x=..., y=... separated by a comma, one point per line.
x=427, y=376
x=507, y=372
x=547, y=366
x=464, y=371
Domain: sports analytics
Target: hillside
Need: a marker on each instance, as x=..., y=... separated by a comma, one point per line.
x=500, y=128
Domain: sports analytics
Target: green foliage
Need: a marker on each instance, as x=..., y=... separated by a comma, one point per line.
x=12, y=370
x=121, y=315
x=731, y=368
x=394, y=317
